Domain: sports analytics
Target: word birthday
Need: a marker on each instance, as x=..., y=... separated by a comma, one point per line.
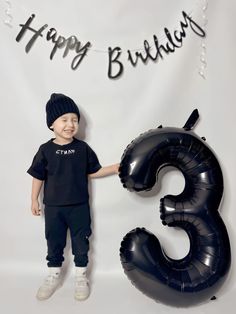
x=115, y=65
x=173, y=41
x=59, y=42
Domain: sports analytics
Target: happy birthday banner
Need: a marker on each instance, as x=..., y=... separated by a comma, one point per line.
x=151, y=51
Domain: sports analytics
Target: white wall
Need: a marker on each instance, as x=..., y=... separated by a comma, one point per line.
x=113, y=113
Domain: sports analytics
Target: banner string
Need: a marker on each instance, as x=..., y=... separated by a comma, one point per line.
x=203, y=59
x=8, y=16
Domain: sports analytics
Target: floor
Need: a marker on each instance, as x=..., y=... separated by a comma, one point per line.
x=110, y=294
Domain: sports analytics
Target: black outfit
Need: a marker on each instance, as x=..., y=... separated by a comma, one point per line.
x=64, y=170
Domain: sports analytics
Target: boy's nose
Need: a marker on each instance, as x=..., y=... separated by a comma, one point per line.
x=70, y=123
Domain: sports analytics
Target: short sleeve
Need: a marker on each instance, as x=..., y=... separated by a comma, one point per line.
x=38, y=167
x=93, y=164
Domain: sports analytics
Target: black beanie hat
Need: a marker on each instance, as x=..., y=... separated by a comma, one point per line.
x=58, y=105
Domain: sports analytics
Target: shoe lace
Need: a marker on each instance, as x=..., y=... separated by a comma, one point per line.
x=50, y=279
x=81, y=282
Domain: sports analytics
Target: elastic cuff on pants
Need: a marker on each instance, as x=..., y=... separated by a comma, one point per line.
x=81, y=265
x=50, y=265
x=81, y=260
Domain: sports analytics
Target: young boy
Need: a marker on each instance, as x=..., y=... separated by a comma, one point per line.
x=64, y=164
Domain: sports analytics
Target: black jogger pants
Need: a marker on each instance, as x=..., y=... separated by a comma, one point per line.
x=58, y=219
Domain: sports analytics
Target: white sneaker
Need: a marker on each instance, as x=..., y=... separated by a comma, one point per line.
x=81, y=284
x=50, y=285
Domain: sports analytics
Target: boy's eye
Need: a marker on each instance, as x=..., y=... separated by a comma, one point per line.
x=74, y=121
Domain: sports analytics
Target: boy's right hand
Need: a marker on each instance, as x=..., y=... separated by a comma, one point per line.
x=36, y=211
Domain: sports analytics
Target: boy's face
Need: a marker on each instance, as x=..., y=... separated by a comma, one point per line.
x=66, y=126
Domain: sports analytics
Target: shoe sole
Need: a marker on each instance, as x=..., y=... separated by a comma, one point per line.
x=81, y=298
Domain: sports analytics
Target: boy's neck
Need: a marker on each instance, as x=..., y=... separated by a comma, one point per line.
x=61, y=141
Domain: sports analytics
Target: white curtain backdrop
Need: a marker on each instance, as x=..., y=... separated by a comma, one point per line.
x=114, y=112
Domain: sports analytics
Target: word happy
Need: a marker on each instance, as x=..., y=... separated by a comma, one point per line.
x=115, y=65
x=59, y=42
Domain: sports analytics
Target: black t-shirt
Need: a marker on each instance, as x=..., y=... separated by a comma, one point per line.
x=64, y=170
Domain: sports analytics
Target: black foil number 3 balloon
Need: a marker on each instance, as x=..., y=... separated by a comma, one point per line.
x=196, y=277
